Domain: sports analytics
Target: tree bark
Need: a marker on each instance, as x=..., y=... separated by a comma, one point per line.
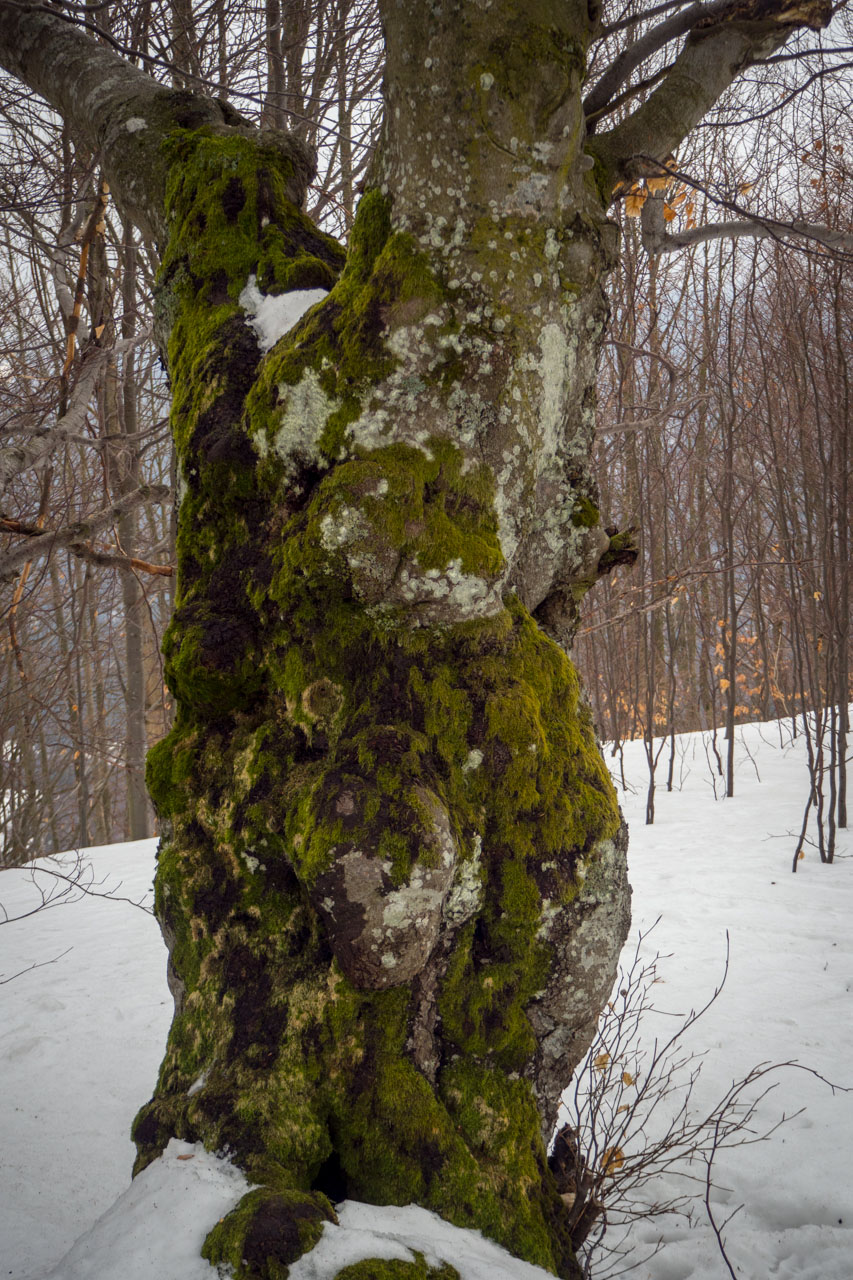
x=392, y=876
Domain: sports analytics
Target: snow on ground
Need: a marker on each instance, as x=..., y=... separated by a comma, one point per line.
x=157, y=1226
x=708, y=866
x=80, y=1043
x=82, y=1035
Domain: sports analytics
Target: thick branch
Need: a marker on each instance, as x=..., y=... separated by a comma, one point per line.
x=114, y=109
x=720, y=46
x=85, y=551
x=757, y=230
x=635, y=54
x=79, y=534
x=46, y=440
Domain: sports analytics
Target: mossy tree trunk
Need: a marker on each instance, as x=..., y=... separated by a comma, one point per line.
x=392, y=874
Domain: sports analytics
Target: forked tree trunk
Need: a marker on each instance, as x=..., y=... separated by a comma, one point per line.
x=392, y=874
x=393, y=884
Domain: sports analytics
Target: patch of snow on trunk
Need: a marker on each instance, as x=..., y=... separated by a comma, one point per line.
x=378, y=1231
x=273, y=315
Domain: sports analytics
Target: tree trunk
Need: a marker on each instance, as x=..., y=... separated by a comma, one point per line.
x=133, y=596
x=393, y=883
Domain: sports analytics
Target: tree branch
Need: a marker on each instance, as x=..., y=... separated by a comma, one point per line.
x=115, y=110
x=77, y=536
x=635, y=54
x=85, y=551
x=47, y=440
x=657, y=240
x=721, y=43
x=757, y=229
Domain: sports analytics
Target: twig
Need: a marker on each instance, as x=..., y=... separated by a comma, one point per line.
x=37, y=964
x=79, y=877
x=718, y=1230
x=79, y=533
x=606, y=1153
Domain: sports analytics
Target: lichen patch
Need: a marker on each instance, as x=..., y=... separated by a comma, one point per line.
x=301, y=418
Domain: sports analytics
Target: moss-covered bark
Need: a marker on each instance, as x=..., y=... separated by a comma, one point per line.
x=392, y=875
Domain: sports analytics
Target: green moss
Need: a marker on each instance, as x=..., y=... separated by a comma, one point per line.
x=386, y=813
x=209, y=674
x=229, y=217
x=169, y=770
x=229, y=209
x=560, y=61
x=266, y=1231
x=397, y=1269
x=419, y=507
x=387, y=279
x=585, y=514
x=622, y=549
x=335, y=1070
x=447, y=713
x=370, y=233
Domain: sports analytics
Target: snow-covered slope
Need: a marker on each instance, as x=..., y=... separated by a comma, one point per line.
x=709, y=866
x=82, y=1035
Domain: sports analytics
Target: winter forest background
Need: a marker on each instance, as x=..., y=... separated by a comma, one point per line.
x=723, y=453
x=724, y=416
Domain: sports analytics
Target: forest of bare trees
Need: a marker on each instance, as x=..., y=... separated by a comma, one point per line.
x=724, y=436
x=724, y=416
x=86, y=456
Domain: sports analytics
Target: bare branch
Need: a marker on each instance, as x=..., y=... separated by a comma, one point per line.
x=657, y=240
x=85, y=551
x=115, y=109
x=721, y=44
x=597, y=101
x=68, y=885
x=37, y=964
x=65, y=887
x=672, y=406
x=82, y=879
x=609, y=1151
x=67, y=428
x=756, y=229
x=80, y=533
